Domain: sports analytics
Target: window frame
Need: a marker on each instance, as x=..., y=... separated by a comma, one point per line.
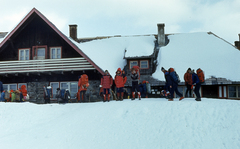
x=19, y=54
x=144, y=61
x=50, y=52
x=8, y=88
x=36, y=47
x=139, y=63
x=130, y=66
x=236, y=91
x=18, y=85
x=69, y=87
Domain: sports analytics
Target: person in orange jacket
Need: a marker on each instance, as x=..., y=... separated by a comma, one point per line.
x=106, y=83
x=120, y=80
x=83, y=84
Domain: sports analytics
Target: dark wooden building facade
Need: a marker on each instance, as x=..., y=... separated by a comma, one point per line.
x=37, y=54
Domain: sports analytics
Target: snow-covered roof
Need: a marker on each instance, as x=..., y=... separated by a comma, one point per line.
x=109, y=53
x=199, y=50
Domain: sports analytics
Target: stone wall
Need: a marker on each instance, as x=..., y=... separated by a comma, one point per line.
x=36, y=92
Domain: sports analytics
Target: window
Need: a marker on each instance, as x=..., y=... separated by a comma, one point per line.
x=39, y=52
x=9, y=87
x=232, y=91
x=20, y=84
x=133, y=63
x=23, y=54
x=54, y=86
x=71, y=86
x=55, y=52
x=144, y=64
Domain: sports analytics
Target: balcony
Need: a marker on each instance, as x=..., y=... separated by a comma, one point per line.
x=46, y=65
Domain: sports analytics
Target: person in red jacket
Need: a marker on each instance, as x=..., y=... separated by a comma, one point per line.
x=106, y=83
x=83, y=84
x=120, y=80
x=188, y=82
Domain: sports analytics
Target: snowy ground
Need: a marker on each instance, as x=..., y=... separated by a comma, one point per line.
x=150, y=123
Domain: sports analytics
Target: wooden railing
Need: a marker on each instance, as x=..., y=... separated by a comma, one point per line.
x=46, y=65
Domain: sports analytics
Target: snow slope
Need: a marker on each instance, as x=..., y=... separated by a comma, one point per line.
x=199, y=50
x=146, y=124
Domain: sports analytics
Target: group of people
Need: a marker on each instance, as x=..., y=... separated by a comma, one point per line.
x=19, y=95
x=192, y=80
x=120, y=79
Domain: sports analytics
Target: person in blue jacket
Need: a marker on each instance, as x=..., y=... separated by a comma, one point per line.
x=174, y=85
x=2, y=96
x=197, y=84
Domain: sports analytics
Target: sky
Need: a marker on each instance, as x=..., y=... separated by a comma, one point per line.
x=135, y=17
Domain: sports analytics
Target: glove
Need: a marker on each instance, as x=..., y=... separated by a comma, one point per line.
x=192, y=86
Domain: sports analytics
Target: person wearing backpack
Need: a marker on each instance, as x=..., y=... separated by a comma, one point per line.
x=120, y=79
x=197, y=83
x=106, y=83
x=174, y=84
x=168, y=83
x=188, y=82
x=83, y=84
x=200, y=75
x=135, y=76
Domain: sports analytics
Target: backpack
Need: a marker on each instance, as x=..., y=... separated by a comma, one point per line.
x=175, y=77
x=84, y=80
x=62, y=93
x=200, y=75
x=148, y=87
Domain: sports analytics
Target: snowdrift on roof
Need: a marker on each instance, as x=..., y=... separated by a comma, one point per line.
x=199, y=50
x=109, y=53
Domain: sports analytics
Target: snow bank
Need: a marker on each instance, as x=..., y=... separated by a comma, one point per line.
x=149, y=123
x=199, y=50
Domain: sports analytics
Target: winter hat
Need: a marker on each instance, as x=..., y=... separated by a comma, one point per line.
x=171, y=70
x=119, y=69
x=162, y=69
x=189, y=69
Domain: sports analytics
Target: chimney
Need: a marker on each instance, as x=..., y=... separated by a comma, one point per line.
x=73, y=31
x=237, y=43
x=161, y=34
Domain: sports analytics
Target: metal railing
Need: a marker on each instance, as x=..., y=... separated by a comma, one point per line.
x=46, y=65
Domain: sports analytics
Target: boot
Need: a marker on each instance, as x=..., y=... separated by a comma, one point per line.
x=133, y=95
x=198, y=99
x=104, y=98
x=121, y=97
x=170, y=99
x=109, y=97
x=181, y=98
x=139, y=95
x=118, y=96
